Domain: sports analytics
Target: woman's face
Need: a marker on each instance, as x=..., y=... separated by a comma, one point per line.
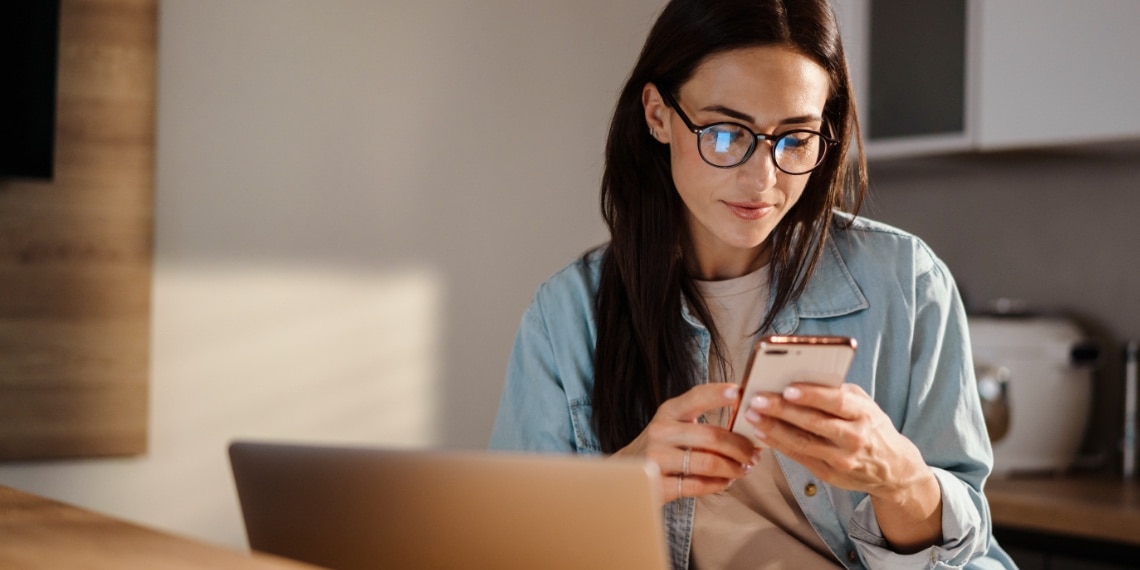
x=732, y=211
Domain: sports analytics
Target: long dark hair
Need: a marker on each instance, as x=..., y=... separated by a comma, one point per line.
x=644, y=352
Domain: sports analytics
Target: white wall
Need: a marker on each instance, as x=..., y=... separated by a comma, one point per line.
x=355, y=201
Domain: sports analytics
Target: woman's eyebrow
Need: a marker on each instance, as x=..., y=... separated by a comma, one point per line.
x=730, y=112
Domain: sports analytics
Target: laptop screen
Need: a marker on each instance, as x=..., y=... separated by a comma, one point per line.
x=357, y=507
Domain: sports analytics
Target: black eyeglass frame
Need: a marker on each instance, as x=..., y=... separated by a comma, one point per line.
x=756, y=138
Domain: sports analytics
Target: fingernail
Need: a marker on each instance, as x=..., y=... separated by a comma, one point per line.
x=791, y=392
x=732, y=392
x=760, y=402
x=752, y=416
x=747, y=469
x=756, y=458
x=760, y=435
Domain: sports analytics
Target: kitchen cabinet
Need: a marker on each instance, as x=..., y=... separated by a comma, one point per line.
x=959, y=75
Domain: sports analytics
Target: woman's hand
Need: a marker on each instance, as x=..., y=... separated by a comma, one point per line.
x=845, y=439
x=695, y=459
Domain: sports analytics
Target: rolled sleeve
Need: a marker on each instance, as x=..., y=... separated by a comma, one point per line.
x=963, y=531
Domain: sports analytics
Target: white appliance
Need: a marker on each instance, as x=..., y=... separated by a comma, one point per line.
x=1035, y=382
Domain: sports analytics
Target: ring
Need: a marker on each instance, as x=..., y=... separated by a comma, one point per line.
x=685, y=465
x=680, y=486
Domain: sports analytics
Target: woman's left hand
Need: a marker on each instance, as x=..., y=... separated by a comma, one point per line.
x=842, y=436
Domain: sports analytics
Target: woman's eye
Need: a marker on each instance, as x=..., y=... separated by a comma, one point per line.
x=797, y=141
x=794, y=142
x=724, y=138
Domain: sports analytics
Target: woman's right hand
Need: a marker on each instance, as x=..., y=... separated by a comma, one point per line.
x=695, y=459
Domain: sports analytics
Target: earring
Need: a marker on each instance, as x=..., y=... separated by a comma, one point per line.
x=652, y=132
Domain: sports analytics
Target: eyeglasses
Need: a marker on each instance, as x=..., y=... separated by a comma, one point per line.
x=726, y=145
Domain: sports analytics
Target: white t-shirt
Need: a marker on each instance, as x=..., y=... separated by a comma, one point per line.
x=756, y=523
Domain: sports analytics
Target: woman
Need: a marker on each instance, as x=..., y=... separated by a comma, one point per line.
x=726, y=173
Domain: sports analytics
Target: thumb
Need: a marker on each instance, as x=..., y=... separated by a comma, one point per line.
x=693, y=404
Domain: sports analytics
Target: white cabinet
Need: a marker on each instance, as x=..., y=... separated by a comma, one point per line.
x=1031, y=73
x=1056, y=71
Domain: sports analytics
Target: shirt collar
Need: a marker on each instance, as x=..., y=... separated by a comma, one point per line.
x=831, y=292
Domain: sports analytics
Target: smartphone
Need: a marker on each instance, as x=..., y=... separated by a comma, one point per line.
x=781, y=360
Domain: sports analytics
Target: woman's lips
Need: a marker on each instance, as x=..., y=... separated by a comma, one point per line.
x=749, y=210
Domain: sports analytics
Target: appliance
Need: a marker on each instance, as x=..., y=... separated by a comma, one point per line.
x=1035, y=380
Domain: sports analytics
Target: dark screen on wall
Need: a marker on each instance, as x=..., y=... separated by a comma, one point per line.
x=29, y=56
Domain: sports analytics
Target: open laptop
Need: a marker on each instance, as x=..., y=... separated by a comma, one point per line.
x=359, y=507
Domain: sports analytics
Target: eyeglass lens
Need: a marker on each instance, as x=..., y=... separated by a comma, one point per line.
x=726, y=144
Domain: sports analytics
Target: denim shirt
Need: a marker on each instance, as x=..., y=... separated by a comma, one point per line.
x=875, y=283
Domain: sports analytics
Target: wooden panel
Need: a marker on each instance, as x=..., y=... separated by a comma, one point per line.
x=76, y=252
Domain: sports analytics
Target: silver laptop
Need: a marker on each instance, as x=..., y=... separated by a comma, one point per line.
x=358, y=507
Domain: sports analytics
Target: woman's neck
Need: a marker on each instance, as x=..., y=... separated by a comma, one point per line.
x=723, y=265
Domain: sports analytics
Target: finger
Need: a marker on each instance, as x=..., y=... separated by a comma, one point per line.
x=700, y=463
x=847, y=401
x=693, y=404
x=775, y=417
x=694, y=486
x=672, y=438
x=813, y=407
x=793, y=440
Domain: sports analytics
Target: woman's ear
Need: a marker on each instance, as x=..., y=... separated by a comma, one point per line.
x=656, y=114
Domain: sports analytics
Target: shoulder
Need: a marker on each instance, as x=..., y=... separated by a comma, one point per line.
x=878, y=248
x=579, y=278
x=570, y=292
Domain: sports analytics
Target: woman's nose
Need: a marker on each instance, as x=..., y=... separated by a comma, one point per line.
x=759, y=170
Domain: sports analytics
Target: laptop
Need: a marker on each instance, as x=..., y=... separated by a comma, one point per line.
x=361, y=507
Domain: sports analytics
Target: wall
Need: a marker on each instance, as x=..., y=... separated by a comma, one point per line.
x=355, y=202
x=1055, y=228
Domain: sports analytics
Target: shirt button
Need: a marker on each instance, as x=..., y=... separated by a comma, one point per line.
x=809, y=490
x=852, y=556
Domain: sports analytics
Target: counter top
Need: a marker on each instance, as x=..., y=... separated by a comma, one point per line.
x=1085, y=506
x=42, y=533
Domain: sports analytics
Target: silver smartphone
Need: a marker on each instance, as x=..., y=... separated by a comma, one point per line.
x=781, y=360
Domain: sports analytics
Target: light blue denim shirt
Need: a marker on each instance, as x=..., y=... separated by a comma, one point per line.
x=875, y=283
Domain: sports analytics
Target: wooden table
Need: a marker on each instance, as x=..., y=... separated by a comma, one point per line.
x=1091, y=507
x=36, y=533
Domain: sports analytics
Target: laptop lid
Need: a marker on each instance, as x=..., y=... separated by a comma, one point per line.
x=358, y=507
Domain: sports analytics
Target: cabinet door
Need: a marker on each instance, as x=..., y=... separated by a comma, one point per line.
x=918, y=69
x=1056, y=71
x=908, y=63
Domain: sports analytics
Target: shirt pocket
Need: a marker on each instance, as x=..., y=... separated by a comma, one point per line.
x=581, y=416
